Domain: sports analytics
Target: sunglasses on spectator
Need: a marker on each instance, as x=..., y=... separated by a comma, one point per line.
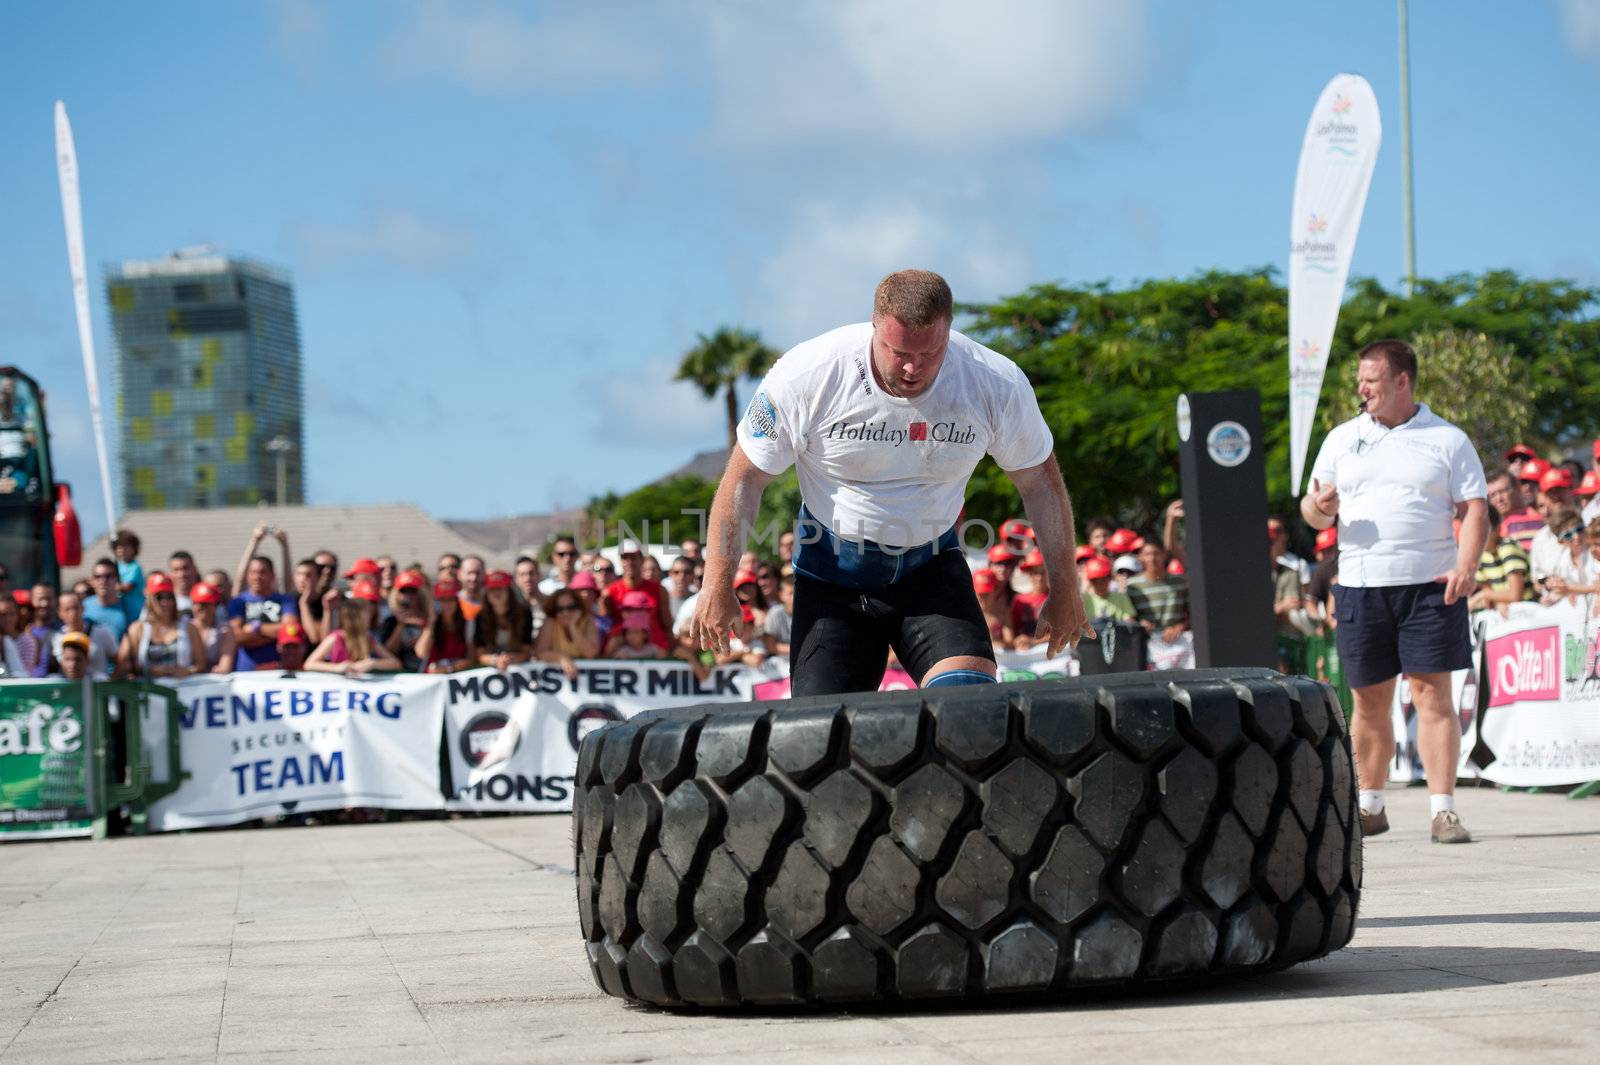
x=102, y=575
x=164, y=597
x=605, y=569
x=562, y=554
x=1570, y=534
x=569, y=608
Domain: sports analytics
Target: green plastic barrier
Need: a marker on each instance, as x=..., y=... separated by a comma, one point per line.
x=74, y=752
x=1322, y=662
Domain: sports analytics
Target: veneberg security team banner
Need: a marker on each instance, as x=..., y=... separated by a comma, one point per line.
x=1330, y=192
x=1543, y=716
x=262, y=744
x=513, y=737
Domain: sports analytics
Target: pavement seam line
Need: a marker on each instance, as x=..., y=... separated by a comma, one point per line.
x=233, y=938
x=543, y=867
x=126, y=899
x=421, y=1013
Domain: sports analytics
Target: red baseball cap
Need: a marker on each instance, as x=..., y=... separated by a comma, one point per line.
x=22, y=596
x=1096, y=568
x=1001, y=553
x=1084, y=552
x=1016, y=528
x=1533, y=470
x=1555, y=477
x=497, y=578
x=1520, y=451
x=1123, y=542
x=366, y=588
x=204, y=593
x=410, y=578
x=291, y=632
x=363, y=567
x=742, y=578
x=1033, y=560
x=157, y=583
x=1590, y=485
x=637, y=600
x=984, y=581
x=1175, y=568
x=446, y=589
x=581, y=580
x=1327, y=538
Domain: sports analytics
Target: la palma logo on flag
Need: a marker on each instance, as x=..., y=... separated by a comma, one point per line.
x=919, y=431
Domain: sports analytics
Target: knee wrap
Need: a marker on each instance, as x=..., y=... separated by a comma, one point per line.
x=952, y=677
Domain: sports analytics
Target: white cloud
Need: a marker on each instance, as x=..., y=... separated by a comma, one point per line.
x=300, y=33
x=932, y=73
x=395, y=236
x=1580, y=25
x=824, y=272
x=497, y=51
x=648, y=408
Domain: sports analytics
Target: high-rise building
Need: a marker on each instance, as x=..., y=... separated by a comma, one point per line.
x=207, y=372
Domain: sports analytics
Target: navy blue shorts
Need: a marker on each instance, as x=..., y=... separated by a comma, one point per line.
x=1384, y=632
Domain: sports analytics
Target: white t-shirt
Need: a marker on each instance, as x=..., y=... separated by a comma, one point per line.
x=884, y=468
x=1398, y=490
x=1544, y=553
x=1591, y=509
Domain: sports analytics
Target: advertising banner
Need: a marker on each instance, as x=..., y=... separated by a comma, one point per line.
x=1330, y=192
x=1542, y=721
x=513, y=737
x=1407, y=764
x=44, y=760
x=262, y=744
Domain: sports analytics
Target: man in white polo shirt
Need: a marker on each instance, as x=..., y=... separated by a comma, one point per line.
x=1395, y=478
x=885, y=422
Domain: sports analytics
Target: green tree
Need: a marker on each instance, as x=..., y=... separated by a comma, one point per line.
x=720, y=361
x=1108, y=365
x=655, y=510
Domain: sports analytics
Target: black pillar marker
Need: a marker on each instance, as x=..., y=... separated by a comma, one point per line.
x=1221, y=459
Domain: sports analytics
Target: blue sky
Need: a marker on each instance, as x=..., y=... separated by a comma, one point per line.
x=506, y=221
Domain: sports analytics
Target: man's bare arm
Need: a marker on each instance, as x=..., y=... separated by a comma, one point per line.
x=1049, y=509
x=733, y=514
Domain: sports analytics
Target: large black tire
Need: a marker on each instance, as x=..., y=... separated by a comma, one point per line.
x=1017, y=838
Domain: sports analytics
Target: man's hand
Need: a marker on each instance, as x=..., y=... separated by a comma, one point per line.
x=259, y=533
x=1325, y=497
x=714, y=615
x=1174, y=633
x=1458, y=584
x=1063, y=621
x=1175, y=510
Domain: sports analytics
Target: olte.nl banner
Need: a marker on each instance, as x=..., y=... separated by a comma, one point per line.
x=262, y=744
x=513, y=736
x=1542, y=721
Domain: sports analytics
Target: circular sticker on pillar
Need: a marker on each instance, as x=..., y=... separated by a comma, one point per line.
x=1183, y=418
x=1228, y=443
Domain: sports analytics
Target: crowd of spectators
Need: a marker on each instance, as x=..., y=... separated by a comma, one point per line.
x=379, y=616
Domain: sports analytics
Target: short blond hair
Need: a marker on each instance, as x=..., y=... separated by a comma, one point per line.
x=917, y=298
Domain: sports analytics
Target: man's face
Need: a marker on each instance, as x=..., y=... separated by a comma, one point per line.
x=104, y=579
x=1101, y=585
x=328, y=563
x=387, y=569
x=184, y=573
x=632, y=566
x=449, y=568
x=604, y=573
x=292, y=656
x=907, y=360
x=1386, y=394
x=305, y=577
x=1504, y=496
x=682, y=572
x=1552, y=500
x=70, y=609
x=689, y=549
x=786, y=547
x=472, y=576
x=1153, y=557
x=222, y=583
x=527, y=577
x=44, y=604
x=564, y=555
x=73, y=662
x=1098, y=537
x=259, y=577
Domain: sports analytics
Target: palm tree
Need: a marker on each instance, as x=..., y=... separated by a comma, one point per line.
x=720, y=361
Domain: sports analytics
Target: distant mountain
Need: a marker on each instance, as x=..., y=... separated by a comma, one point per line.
x=533, y=531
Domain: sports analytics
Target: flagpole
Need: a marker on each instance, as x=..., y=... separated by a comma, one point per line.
x=1408, y=218
x=72, y=217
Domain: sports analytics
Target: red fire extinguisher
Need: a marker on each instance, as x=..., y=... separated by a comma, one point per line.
x=69, y=544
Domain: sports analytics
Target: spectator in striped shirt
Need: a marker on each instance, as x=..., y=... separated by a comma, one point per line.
x=1503, y=571
x=1160, y=601
x=1518, y=521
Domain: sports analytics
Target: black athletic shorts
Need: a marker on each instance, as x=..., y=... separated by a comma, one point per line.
x=841, y=637
x=1408, y=629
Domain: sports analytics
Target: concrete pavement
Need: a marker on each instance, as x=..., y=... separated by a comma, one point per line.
x=457, y=940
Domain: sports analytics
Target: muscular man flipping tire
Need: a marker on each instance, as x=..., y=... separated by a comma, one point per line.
x=885, y=422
